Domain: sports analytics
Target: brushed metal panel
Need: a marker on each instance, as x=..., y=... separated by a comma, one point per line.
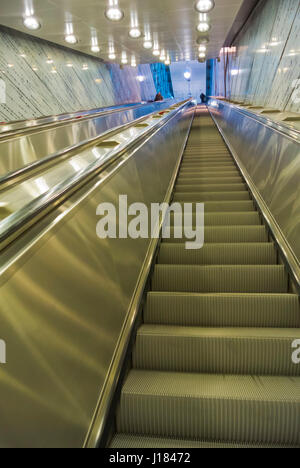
x=272, y=159
x=22, y=150
x=63, y=302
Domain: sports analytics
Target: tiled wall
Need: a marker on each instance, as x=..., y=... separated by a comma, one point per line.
x=263, y=66
x=31, y=87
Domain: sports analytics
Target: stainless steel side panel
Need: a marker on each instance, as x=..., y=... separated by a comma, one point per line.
x=63, y=303
x=22, y=150
x=272, y=159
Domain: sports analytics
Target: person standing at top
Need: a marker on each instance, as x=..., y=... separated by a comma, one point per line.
x=203, y=98
x=158, y=97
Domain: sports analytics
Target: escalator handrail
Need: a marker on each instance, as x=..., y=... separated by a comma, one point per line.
x=281, y=127
x=24, y=172
x=23, y=131
x=15, y=224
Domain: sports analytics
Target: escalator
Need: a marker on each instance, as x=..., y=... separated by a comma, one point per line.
x=211, y=365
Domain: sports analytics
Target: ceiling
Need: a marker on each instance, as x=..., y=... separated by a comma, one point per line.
x=172, y=22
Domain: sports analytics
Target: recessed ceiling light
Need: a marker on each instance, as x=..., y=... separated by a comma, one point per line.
x=168, y=62
x=112, y=56
x=203, y=27
x=114, y=13
x=10, y=65
x=135, y=33
x=148, y=45
x=202, y=55
x=71, y=39
x=202, y=48
x=32, y=23
x=156, y=52
x=124, y=59
x=49, y=61
x=95, y=49
x=204, y=6
x=70, y=65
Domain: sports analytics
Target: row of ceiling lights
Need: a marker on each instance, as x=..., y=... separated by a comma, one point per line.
x=204, y=7
x=114, y=13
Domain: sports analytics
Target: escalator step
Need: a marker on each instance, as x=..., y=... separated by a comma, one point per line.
x=140, y=441
x=223, y=234
x=229, y=278
x=223, y=206
x=255, y=351
x=223, y=310
x=197, y=181
x=211, y=196
x=224, y=218
x=200, y=188
x=219, y=254
x=235, y=408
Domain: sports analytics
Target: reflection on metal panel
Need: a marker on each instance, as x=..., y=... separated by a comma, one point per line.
x=25, y=149
x=63, y=302
x=272, y=159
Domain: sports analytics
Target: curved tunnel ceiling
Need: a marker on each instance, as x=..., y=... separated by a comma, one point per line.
x=171, y=22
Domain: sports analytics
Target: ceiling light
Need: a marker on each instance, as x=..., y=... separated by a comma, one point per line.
x=203, y=27
x=95, y=49
x=124, y=59
x=156, y=52
x=204, y=6
x=187, y=75
x=203, y=39
x=135, y=33
x=140, y=78
x=35, y=68
x=70, y=65
x=112, y=56
x=202, y=55
x=168, y=62
x=49, y=61
x=32, y=23
x=147, y=45
x=133, y=62
x=202, y=48
x=114, y=13
x=71, y=39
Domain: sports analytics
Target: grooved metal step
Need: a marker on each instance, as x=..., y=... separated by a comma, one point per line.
x=200, y=188
x=258, y=351
x=219, y=254
x=240, y=278
x=140, y=441
x=211, y=196
x=223, y=310
x=235, y=408
x=221, y=206
x=222, y=234
x=225, y=218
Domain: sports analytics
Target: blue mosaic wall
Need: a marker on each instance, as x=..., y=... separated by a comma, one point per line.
x=162, y=79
